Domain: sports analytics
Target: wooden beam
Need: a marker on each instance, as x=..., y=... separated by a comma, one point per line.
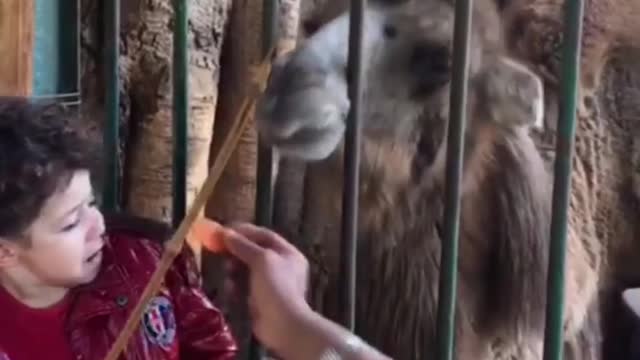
x=16, y=47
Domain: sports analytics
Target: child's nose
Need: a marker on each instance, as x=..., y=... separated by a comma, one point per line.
x=97, y=226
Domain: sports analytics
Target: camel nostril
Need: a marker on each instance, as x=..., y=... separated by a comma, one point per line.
x=430, y=66
x=429, y=57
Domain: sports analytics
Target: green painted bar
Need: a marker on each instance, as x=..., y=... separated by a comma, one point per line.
x=347, y=282
x=264, y=193
x=69, y=48
x=264, y=188
x=112, y=123
x=553, y=339
x=455, y=149
x=180, y=109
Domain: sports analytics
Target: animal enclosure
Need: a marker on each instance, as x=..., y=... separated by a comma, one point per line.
x=356, y=50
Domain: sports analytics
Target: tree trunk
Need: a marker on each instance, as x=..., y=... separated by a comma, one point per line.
x=146, y=96
x=234, y=194
x=149, y=39
x=234, y=197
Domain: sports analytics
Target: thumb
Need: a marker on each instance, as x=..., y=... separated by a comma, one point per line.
x=242, y=248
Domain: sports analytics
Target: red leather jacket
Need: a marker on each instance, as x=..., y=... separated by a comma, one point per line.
x=180, y=323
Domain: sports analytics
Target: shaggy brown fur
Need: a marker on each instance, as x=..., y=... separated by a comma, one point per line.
x=506, y=189
x=607, y=162
x=608, y=25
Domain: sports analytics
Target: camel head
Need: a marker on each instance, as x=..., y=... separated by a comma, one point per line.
x=407, y=72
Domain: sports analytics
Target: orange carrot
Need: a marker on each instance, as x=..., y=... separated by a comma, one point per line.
x=209, y=233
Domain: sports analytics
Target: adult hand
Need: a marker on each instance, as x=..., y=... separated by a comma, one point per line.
x=278, y=276
x=282, y=320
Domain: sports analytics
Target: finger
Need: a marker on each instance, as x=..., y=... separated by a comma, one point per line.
x=264, y=237
x=242, y=248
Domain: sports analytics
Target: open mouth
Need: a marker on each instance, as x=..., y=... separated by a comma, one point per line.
x=94, y=256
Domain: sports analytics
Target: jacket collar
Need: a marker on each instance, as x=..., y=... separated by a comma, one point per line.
x=107, y=293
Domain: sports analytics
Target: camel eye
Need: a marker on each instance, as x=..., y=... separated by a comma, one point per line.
x=389, y=31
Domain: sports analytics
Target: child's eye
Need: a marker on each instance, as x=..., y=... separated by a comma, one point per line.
x=79, y=214
x=70, y=226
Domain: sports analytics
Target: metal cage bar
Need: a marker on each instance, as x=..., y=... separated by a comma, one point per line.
x=180, y=109
x=350, y=195
x=69, y=85
x=112, y=123
x=553, y=337
x=264, y=170
x=455, y=150
x=264, y=188
x=553, y=345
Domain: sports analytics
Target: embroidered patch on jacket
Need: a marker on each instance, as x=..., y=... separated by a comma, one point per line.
x=159, y=322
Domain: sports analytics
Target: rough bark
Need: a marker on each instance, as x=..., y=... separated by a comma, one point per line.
x=148, y=43
x=146, y=95
x=234, y=197
x=92, y=81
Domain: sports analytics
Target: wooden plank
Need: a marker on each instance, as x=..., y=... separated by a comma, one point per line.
x=16, y=47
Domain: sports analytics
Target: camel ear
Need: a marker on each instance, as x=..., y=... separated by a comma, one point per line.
x=513, y=94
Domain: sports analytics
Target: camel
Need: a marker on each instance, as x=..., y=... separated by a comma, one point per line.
x=505, y=201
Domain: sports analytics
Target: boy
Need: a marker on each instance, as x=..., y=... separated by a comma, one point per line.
x=67, y=284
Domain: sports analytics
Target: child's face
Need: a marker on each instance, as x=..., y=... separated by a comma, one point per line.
x=65, y=241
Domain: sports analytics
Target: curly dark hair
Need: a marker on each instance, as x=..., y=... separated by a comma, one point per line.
x=41, y=145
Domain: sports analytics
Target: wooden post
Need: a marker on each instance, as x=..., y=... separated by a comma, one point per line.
x=16, y=47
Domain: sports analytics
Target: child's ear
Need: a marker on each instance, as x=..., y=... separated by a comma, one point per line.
x=8, y=253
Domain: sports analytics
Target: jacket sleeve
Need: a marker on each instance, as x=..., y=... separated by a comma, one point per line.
x=203, y=333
